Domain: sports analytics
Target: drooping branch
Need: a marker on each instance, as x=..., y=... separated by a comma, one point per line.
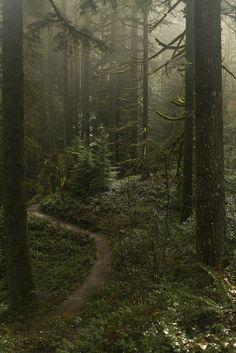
x=77, y=33
x=170, y=118
x=179, y=102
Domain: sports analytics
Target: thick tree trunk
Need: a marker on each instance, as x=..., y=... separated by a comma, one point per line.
x=210, y=199
x=20, y=280
x=189, y=114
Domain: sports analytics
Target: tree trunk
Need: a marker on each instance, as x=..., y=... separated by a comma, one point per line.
x=189, y=114
x=134, y=81
x=49, y=88
x=68, y=117
x=114, y=89
x=145, y=119
x=210, y=197
x=77, y=91
x=20, y=282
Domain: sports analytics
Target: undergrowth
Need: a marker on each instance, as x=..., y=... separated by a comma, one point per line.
x=159, y=298
x=61, y=262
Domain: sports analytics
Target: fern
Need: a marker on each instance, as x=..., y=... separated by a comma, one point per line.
x=223, y=284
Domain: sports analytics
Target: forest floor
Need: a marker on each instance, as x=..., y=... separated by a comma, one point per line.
x=158, y=299
x=99, y=272
x=155, y=296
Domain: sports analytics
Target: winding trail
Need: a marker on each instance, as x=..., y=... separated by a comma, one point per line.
x=99, y=272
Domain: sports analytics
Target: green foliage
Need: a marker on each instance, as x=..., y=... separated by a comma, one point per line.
x=91, y=170
x=61, y=262
x=158, y=299
x=47, y=179
x=124, y=204
x=170, y=318
x=81, y=170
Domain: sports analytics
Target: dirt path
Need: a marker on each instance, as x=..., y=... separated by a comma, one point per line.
x=98, y=275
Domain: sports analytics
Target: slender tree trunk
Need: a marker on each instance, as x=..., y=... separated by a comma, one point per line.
x=20, y=280
x=210, y=197
x=114, y=90
x=49, y=87
x=134, y=81
x=67, y=122
x=189, y=114
x=145, y=119
x=77, y=90
x=85, y=93
x=85, y=87
x=68, y=118
x=77, y=81
x=1, y=137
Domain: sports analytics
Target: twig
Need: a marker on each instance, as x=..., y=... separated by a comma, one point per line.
x=165, y=15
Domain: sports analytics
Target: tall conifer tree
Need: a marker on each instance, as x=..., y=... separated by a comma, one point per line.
x=210, y=199
x=20, y=280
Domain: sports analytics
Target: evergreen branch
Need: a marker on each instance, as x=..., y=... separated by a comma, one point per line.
x=125, y=127
x=169, y=118
x=76, y=32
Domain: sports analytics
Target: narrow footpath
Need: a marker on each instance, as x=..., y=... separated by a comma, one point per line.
x=99, y=272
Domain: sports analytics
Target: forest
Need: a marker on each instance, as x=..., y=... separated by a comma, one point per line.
x=118, y=176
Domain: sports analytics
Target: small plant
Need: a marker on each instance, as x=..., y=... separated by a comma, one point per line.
x=91, y=170
x=81, y=170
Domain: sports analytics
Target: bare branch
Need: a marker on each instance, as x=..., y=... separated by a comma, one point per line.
x=180, y=36
x=228, y=71
x=165, y=15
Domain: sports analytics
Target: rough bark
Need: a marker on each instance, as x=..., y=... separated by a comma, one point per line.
x=20, y=282
x=189, y=114
x=210, y=199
